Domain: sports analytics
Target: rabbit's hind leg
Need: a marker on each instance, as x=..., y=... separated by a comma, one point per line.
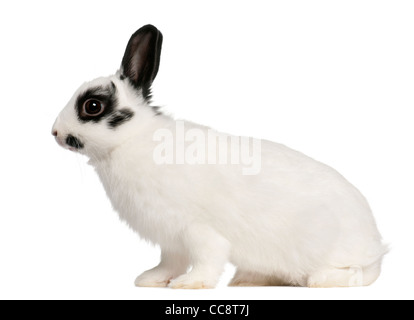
x=353, y=276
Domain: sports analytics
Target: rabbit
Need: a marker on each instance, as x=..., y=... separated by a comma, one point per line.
x=292, y=221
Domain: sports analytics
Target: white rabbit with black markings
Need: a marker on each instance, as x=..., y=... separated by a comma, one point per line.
x=293, y=222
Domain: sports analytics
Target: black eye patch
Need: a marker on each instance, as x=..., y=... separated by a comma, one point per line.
x=106, y=95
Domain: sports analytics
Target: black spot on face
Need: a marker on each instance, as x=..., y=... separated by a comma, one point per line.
x=119, y=117
x=105, y=95
x=74, y=142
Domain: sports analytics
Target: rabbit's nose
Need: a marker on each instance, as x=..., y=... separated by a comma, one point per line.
x=55, y=133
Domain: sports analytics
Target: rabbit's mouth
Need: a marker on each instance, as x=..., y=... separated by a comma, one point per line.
x=71, y=143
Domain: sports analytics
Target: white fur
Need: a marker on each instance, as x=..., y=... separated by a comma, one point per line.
x=298, y=222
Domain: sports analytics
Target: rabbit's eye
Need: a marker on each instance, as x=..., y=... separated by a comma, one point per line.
x=93, y=107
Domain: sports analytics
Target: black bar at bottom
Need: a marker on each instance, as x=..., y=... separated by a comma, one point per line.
x=222, y=309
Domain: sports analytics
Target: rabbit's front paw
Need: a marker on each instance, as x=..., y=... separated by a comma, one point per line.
x=188, y=281
x=154, y=278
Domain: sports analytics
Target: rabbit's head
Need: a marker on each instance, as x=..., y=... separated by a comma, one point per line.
x=107, y=111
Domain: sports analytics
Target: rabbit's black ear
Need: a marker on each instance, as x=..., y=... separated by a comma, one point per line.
x=142, y=58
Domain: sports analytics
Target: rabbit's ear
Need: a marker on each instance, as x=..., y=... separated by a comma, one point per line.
x=142, y=57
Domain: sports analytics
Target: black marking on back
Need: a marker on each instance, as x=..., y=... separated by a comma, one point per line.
x=157, y=110
x=119, y=117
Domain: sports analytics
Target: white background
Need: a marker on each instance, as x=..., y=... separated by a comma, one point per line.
x=333, y=79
